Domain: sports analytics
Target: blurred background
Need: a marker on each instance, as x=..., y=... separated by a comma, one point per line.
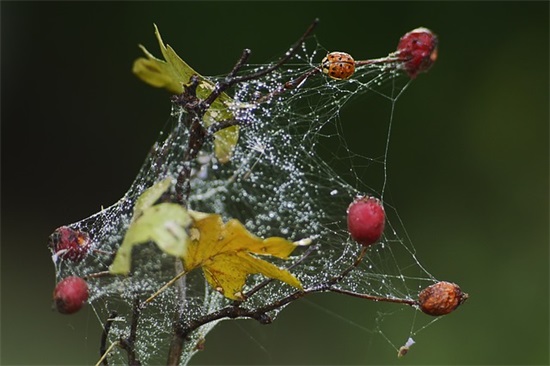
x=468, y=166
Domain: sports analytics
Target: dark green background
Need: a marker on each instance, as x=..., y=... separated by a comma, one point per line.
x=468, y=165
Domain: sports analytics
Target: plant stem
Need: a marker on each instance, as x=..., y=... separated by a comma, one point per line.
x=104, y=337
x=373, y=297
x=129, y=343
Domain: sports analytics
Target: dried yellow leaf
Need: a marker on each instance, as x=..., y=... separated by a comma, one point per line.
x=227, y=254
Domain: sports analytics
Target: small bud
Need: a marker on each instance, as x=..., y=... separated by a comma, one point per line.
x=418, y=51
x=69, y=244
x=441, y=298
x=70, y=294
x=366, y=219
x=403, y=350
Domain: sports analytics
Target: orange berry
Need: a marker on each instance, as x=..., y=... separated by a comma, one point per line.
x=441, y=298
x=338, y=65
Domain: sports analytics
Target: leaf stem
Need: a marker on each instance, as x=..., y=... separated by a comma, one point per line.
x=163, y=288
x=103, y=359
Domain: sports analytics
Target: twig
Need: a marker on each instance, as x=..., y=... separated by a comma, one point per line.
x=291, y=84
x=355, y=264
x=97, y=275
x=229, y=82
x=197, y=133
x=217, y=126
x=382, y=60
x=176, y=343
x=266, y=282
x=373, y=297
x=103, y=358
x=128, y=344
x=163, y=288
x=104, y=337
x=260, y=314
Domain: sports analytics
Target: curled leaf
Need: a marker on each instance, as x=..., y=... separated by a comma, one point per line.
x=165, y=224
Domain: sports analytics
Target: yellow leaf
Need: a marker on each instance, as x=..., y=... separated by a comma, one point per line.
x=172, y=75
x=226, y=254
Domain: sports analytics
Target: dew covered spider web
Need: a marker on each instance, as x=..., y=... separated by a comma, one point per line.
x=276, y=184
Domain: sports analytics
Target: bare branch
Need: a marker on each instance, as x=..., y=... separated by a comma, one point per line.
x=231, y=79
x=105, y=337
x=129, y=343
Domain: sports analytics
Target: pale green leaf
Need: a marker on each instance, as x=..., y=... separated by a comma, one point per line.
x=165, y=224
x=151, y=195
x=172, y=74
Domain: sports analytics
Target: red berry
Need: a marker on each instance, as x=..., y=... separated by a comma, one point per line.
x=70, y=294
x=418, y=51
x=366, y=220
x=441, y=298
x=69, y=244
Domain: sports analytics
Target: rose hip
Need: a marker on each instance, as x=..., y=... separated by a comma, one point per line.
x=69, y=244
x=70, y=294
x=441, y=298
x=417, y=50
x=366, y=219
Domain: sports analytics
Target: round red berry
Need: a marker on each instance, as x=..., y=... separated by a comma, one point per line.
x=366, y=219
x=417, y=50
x=69, y=244
x=70, y=294
x=441, y=298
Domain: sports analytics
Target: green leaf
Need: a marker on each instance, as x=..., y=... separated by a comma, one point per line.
x=172, y=74
x=151, y=195
x=165, y=224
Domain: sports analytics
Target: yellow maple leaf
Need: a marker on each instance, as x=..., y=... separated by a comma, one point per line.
x=172, y=75
x=227, y=254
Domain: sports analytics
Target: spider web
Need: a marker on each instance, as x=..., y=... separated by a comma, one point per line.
x=277, y=184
